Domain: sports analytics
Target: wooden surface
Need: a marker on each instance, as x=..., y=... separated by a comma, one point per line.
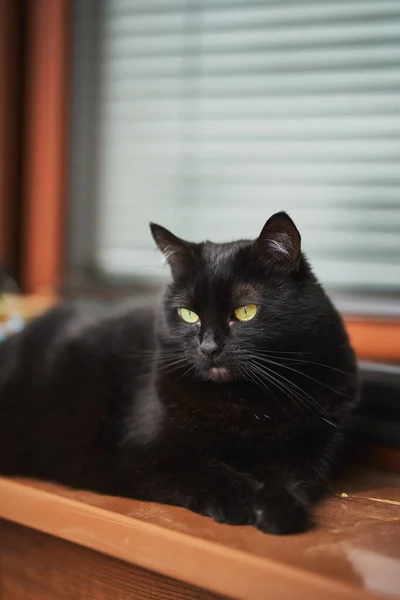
x=35, y=566
x=353, y=552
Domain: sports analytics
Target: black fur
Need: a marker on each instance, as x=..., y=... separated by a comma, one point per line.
x=241, y=421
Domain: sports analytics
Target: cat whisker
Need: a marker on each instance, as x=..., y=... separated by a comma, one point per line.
x=307, y=376
x=191, y=367
x=271, y=354
x=253, y=376
x=153, y=354
x=264, y=351
x=269, y=361
x=329, y=422
x=260, y=382
x=284, y=387
x=289, y=387
x=169, y=366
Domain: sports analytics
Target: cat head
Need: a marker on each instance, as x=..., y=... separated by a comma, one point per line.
x=229, y=303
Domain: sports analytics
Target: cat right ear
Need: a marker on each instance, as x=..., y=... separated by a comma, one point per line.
x=178, y=253
x=279, y=243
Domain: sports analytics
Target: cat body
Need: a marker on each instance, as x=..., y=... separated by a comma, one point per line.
x=231, y=397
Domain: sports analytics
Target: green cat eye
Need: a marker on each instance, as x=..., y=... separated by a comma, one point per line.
x=188, y=315
x=246, y=312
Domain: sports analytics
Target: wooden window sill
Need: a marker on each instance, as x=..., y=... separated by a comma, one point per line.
x=354, y=551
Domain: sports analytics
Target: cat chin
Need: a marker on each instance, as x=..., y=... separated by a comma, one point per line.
x=219, y=374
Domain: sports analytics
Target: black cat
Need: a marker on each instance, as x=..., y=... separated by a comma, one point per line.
x=231, y=398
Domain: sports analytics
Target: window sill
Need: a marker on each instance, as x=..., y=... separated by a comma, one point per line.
x=352, y=552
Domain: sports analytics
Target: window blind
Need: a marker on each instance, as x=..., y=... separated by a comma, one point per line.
x=213, y=114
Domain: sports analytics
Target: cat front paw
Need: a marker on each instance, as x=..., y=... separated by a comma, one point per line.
x=280, y=510
x=224, y=506
x=226, y=496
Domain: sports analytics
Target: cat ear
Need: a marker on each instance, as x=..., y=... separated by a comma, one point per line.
x=280, y=242
x=178, y=253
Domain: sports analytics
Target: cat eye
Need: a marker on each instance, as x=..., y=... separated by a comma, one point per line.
x=246, y=312
x=188, y=315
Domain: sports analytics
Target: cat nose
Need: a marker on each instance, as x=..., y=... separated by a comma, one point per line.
x=209, y=347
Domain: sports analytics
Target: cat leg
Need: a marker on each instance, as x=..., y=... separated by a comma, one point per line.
x=201, y=484
x=225, y=495
x=290, y=488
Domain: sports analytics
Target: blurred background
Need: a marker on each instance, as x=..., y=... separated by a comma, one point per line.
x=205, y=116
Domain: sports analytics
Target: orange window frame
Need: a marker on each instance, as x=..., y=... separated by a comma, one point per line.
x=34, y=59
x=377, y=340
x=46, y=125
x=9, y=55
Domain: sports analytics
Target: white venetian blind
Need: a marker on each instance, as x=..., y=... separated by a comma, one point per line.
x=215, y=113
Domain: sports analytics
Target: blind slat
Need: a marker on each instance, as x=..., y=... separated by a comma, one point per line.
x=222, y=111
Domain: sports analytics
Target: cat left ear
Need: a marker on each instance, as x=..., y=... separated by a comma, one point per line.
x=178, y=253
x=279, y=242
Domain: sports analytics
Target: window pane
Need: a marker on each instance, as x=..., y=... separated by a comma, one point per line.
x=210, y=116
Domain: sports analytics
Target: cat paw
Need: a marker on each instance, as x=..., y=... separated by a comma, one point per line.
x=226, y=496
x=279, y=510
x=225, y=507
x=229, y=510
